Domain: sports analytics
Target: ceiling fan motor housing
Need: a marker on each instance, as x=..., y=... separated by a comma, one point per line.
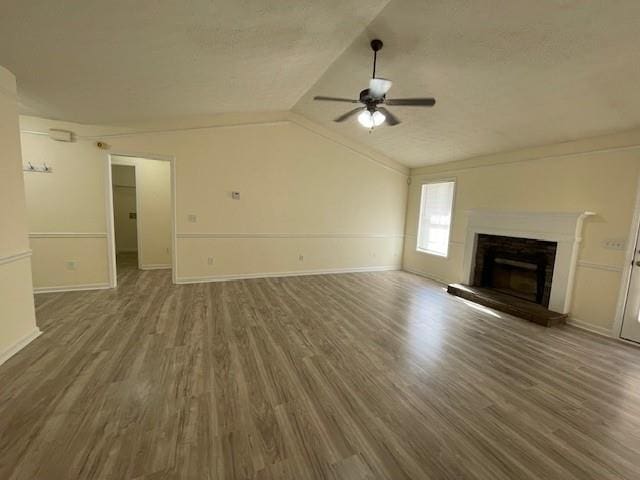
x=369, y=100
x=376, y=44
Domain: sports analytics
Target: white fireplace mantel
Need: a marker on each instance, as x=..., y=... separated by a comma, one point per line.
x=563, y=228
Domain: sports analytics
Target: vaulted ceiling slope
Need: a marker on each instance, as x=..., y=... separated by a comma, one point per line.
x=123, y=61
x=507, y=74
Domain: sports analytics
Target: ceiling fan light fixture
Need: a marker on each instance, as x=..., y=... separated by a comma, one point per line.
x=370, y=120
x=374, y=113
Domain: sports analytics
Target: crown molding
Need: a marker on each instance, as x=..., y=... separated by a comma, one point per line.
x=369, y=153
x=628, y=140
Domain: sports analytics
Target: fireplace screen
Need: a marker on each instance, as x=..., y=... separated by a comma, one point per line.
x=519, y=267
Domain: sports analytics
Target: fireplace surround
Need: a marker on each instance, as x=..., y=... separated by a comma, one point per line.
x=562, y=228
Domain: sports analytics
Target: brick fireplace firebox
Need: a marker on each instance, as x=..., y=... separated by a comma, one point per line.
x=520, y=267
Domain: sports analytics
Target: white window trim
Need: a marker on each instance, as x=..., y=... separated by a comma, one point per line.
x=453, y=209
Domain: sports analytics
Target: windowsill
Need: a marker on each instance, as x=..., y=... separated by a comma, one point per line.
x=435, y=254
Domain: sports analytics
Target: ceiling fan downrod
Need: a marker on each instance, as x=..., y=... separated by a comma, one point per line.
x=376, y=44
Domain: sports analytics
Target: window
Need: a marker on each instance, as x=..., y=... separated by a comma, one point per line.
x=436, y=204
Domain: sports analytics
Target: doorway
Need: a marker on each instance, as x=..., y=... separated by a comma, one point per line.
x=631, y=315
x=142, y=214
x=125, y=224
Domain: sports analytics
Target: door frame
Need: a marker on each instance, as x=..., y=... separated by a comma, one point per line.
x=111, y=239
x=625, y=282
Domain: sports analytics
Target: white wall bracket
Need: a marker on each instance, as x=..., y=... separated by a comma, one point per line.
x=44, y=168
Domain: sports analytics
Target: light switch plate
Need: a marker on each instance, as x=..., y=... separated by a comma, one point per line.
x=192, y=218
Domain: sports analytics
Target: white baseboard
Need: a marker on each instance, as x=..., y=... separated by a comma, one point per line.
x=19, y=345
x=72, y=288
x=606, y=332
x=426, y=275
x=246, y=276
x=156, y=266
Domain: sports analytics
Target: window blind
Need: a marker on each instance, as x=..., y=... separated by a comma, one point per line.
x=435, y=217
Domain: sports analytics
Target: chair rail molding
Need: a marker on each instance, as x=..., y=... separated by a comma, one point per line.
x=68, y=235
x=288, y=235
x=14, y=257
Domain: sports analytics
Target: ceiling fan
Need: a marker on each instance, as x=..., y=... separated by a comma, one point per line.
x=373, y=113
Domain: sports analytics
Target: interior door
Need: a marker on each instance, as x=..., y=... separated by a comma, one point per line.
x=631, y=320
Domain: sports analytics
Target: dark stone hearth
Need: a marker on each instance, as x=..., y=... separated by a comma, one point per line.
x=509, y=304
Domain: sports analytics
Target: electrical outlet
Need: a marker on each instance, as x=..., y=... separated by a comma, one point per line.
x=72, y=265
x=210, y=261
x=614, y=244
x=192, y=218
x=301, y=258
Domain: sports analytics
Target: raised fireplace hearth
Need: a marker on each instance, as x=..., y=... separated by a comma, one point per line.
x=514, y=275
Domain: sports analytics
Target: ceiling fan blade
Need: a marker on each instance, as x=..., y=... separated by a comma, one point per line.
x=412, y=102
x=378, y=87
x=335, y=99
x=391, y=119
x=350, y=113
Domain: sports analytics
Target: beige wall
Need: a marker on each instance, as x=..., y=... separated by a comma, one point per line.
x=66, y=212
x=123, y=175
x=17, y=317
x=304, y=193
x=603, y=182
x=153, y=188
x=124, y=203
x=311, y=201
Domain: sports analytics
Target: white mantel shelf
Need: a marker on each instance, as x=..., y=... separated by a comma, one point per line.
x=565, y=228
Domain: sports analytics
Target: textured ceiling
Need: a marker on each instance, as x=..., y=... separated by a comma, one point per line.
x=507, y=73
x=119, y=61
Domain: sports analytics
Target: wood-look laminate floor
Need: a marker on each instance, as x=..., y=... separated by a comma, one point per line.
x=352, y=376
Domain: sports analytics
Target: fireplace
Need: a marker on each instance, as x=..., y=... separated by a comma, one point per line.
x=519, y=267
x=515, y=275
x=530, y=260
